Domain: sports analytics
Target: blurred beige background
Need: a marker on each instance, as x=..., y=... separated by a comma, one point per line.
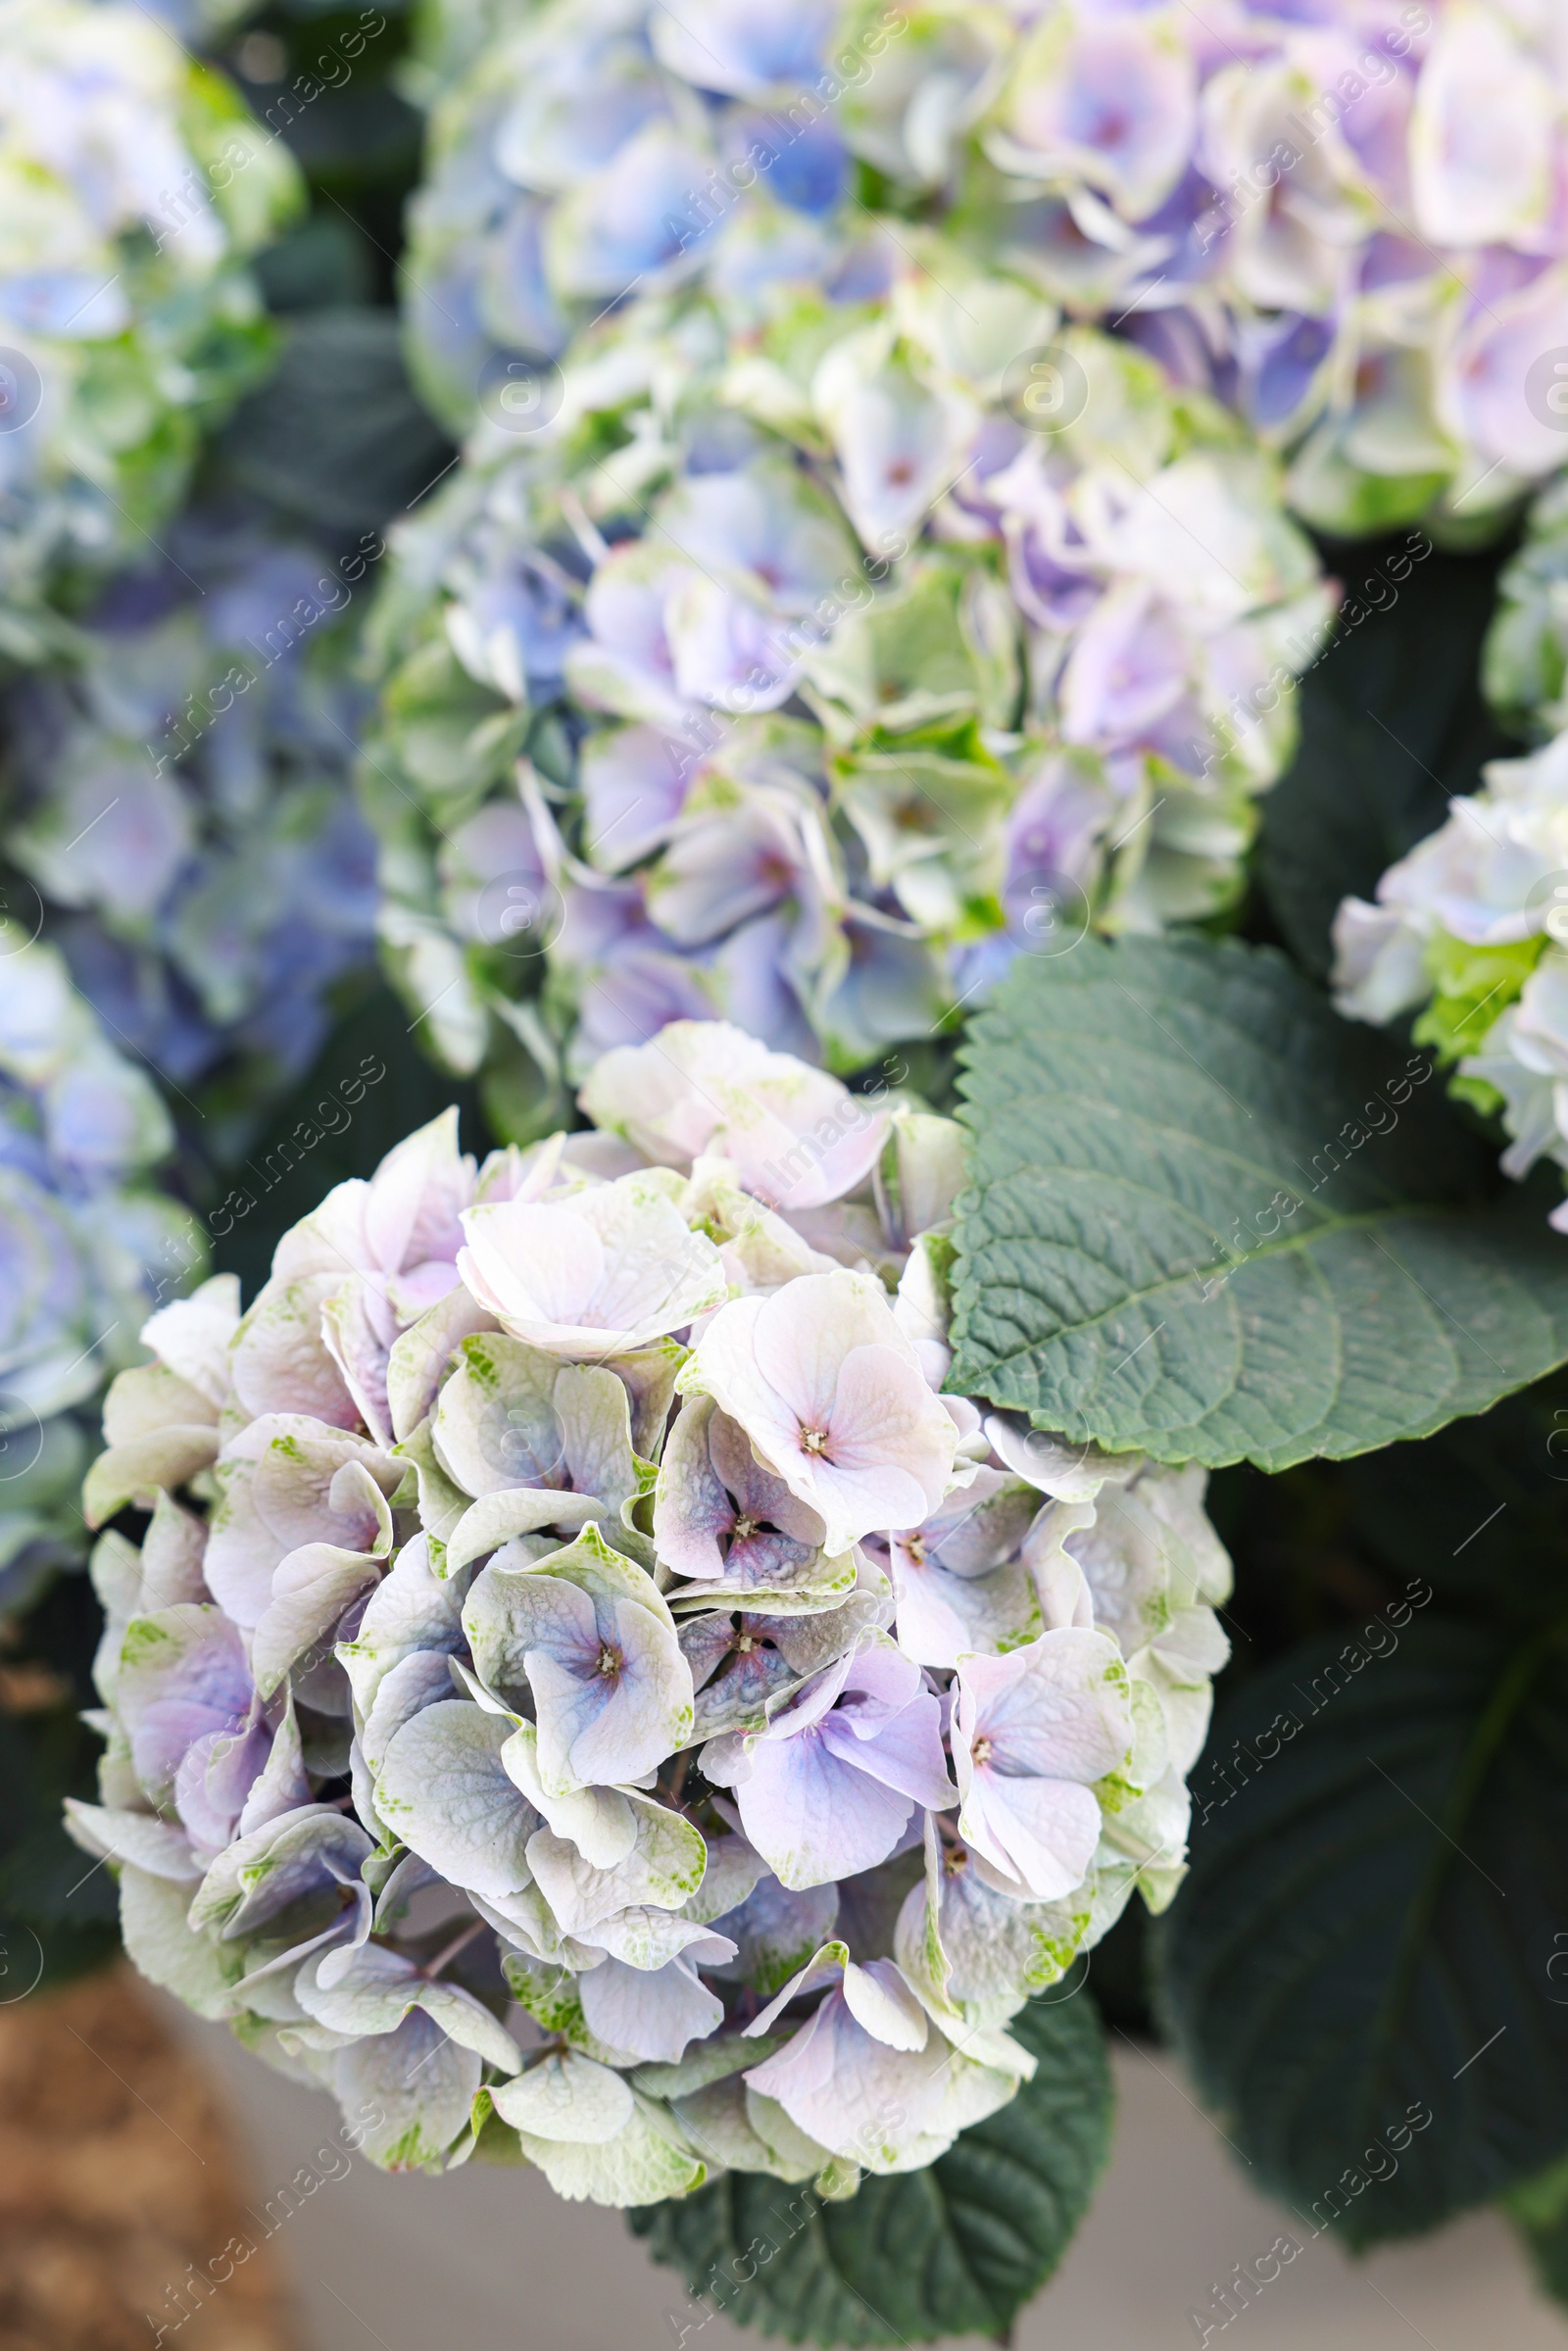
x=492, y=2261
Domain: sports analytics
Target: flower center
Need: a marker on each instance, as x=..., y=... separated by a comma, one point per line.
x=813, y=1441
x=744, y=1529
x=914, y=1548
x=609, y=1661
x=980, y=1752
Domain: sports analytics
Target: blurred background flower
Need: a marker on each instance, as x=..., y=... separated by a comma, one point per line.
x=133, y=186
x=88, y=1245
x=179, y=795
x=1346, y=220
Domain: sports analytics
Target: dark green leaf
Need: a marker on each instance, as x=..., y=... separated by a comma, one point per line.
x=1392, y=723
x=956, y=2249
x=336, y=439
x=1211, y=1221
x=1376, y=1914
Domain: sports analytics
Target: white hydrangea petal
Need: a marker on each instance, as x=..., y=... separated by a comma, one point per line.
x=612, y=1271
x=445, y=1790
x=157, y=1847
x=193, y=1336
x=599, y=1821
x=421, y=1679
x=158, y=1941
x=418, y=2083
x=796, y=1136
x=820, y=1364
x=517, y=1510
x=421, y=1356
x=663, y=1869
x=409, y=1612
x=645, y=2162
x=872, y=2102
x=566, y=2098
x=651, y=2014
x=283, y=1785
x=311, y=1589
x=300, y=1852
x=278, y=1359
x=736, y=2128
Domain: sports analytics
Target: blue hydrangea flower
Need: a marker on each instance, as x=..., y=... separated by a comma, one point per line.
x=569, y=1601
x=87, y=1248
x=837, y=682
x=1346, y=218
x=178, y=793
x=132, y=187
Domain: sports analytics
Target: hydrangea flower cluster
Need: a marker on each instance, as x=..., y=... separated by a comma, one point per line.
x=1350, y=218
x=584, y=1693
x=1525, y=667
x=798, y=678
x=133, y=185
x=580, y=153
x=179, y=796
x=1473, y=926
x=1347, y=218
x=85, y=1250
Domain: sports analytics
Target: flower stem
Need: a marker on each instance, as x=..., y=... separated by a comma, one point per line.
x=458, y=1943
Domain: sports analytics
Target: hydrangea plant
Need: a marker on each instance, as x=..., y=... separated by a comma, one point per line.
x=177, y=794
x=1344, y=218
x=132, y=187
x=807, y=677
x=583, y=1689
x=87, y=1247
x=1471, y=929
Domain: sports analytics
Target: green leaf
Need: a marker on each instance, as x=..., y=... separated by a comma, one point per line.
x=1538, y=2210
x=1211, y=1221
x=1392, y=723
x=1376, y=1914
x=956, y=2249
